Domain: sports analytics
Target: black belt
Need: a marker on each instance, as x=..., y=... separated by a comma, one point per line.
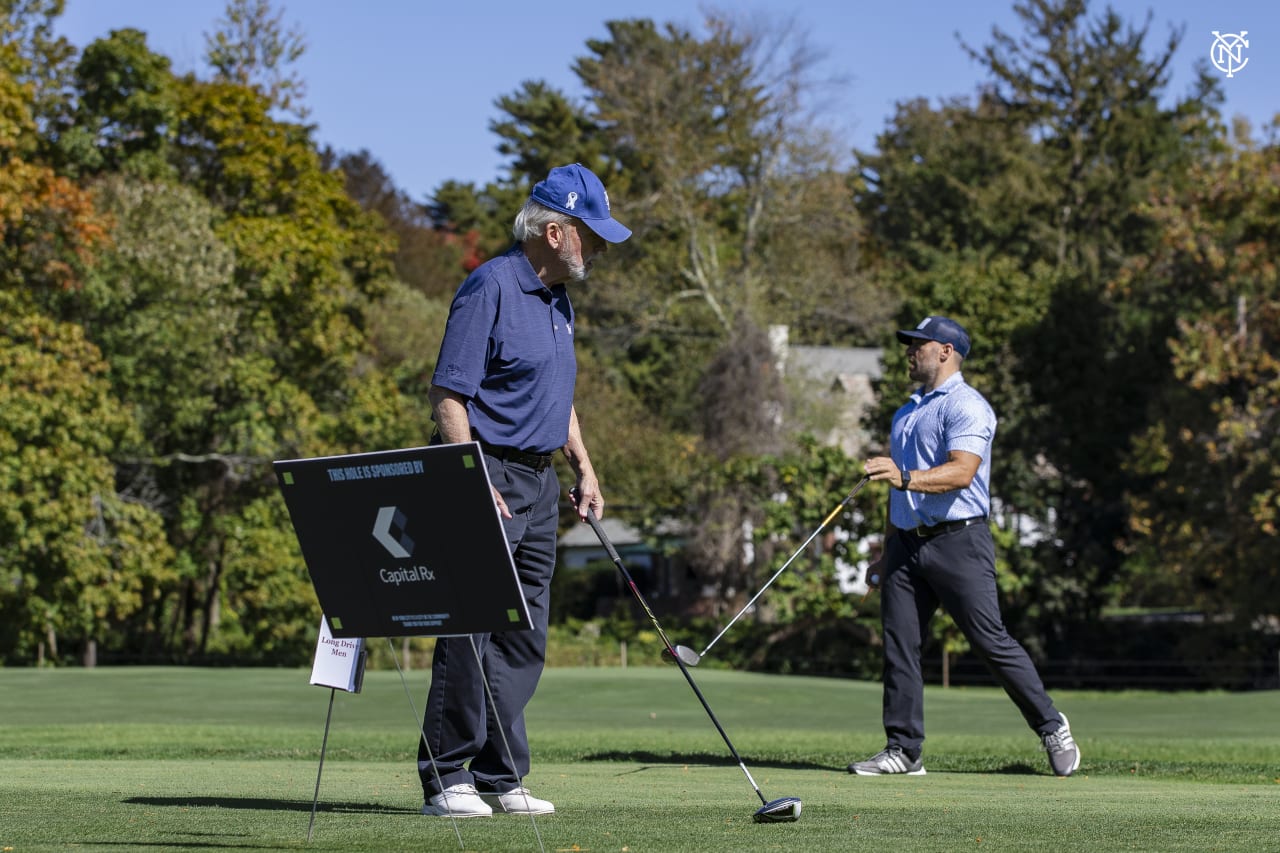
x=923, y=532
x=536, y=461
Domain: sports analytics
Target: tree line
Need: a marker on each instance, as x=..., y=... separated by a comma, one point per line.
x=192, y=287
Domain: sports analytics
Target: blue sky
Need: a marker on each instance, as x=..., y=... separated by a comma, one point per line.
x=414, y=81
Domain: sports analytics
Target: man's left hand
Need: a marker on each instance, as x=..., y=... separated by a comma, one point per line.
x=883, y=468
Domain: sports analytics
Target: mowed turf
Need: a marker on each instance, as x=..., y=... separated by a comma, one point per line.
x=181, y=759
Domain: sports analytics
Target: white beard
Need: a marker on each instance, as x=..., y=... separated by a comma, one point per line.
x=577, y=268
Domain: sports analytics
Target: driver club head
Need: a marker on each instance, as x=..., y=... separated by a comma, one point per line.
x=782, y=810
x=687, y=656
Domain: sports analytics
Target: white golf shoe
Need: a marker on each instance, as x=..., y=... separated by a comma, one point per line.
x=518, y=801
x=457, y=801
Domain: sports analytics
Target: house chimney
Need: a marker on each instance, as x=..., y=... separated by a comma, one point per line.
x=778, y=335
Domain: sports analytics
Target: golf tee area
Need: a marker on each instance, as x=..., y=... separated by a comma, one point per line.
x=170, y=758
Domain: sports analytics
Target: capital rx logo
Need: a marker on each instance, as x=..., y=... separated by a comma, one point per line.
x=1227, y=52
x=389, y=531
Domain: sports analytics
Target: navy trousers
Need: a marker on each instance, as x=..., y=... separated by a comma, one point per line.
x=957, y=570
x=465, y=732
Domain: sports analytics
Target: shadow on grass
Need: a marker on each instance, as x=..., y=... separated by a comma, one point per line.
x=707, y=758
x=259, y=804
x=653, y=759
x=1015, y=769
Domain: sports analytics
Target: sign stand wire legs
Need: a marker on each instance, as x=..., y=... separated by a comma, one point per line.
x=323, y=746
x=422, y=733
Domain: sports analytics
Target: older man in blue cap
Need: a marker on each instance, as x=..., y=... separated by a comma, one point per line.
x=938, y=551
x=505, y=378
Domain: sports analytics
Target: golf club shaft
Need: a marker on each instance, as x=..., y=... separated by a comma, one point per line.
x=626, y=576
x=779, y=572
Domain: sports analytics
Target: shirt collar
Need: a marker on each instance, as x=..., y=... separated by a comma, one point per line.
x=529, y=281
x=953, y=381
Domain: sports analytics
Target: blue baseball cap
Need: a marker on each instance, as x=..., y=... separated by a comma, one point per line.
x=575, y=191
x=941, y=329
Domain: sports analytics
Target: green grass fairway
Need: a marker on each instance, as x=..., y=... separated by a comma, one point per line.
x=182, y=759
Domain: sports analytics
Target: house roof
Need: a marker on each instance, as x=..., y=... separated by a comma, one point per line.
x=830, y=363
x=618, y=532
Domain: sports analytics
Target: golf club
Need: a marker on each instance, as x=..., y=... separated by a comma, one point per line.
x=687, y=656
x=782, y=810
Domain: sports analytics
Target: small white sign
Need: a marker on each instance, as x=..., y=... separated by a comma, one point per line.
x=339, y=663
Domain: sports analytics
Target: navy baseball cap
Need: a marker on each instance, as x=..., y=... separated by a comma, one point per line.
x=941, y=329
x=575, y=191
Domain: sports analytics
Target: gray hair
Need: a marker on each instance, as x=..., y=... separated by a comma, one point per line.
x=533, y=218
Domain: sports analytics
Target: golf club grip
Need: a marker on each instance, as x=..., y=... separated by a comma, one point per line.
x=856, y=489
x=604, y=540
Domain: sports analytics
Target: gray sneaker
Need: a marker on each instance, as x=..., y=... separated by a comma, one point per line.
x=890, y=760
x=1064, y=755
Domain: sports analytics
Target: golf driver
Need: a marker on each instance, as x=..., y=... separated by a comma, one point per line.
x=688, y=656
x=782, y=810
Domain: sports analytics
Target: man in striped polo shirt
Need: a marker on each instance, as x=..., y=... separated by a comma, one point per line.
x=938, y=551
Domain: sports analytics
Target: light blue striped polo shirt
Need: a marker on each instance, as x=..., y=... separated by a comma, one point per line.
x=952, y=416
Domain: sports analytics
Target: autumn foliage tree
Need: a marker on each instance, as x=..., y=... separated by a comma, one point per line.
x=211, y=283
x=1204, y=526
x=79, y=560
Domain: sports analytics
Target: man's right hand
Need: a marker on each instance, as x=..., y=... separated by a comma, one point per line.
x=449, y=409
x=502, y=505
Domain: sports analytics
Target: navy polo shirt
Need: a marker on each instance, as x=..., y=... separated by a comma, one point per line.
x=508, y=349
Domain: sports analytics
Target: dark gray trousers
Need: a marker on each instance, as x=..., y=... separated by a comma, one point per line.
x=465, y=732
x=958, y=571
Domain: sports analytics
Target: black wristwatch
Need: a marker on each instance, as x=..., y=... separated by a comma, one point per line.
x=906, y=480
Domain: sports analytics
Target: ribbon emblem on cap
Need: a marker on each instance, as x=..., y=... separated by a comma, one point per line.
x=571, y=201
